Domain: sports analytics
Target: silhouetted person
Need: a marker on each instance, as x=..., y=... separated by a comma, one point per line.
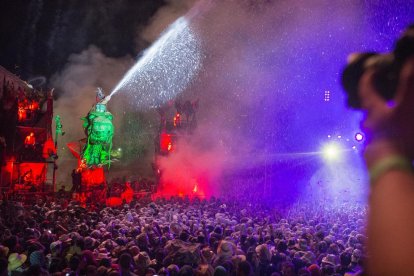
x=76, y=181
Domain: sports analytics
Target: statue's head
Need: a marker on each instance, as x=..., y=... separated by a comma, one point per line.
x=100, y=107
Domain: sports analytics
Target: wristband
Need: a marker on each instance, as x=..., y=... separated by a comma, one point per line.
x=395, y=162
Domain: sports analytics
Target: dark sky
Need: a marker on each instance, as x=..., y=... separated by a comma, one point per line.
x=37, y=36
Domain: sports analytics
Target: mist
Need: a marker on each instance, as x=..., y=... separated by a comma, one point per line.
x=261, y=87
x=75, y=89
x=266, y=69
x=77, y=84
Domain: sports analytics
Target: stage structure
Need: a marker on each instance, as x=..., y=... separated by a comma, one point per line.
x=173, y=127
x=93, y=153
x=27, y=148
x=183, y=123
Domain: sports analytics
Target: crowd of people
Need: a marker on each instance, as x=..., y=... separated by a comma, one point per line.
x=179, y=236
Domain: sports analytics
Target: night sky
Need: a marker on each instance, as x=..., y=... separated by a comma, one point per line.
x=36, y=37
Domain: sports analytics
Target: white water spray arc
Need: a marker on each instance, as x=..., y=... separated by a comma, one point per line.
x=165, y=69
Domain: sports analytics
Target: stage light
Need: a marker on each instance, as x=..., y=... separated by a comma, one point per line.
x=359, y=137
x=331, y=152
x=327, y=96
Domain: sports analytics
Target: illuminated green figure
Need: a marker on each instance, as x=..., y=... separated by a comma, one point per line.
x=58, y=126
x=99, y=130
x=58, y=130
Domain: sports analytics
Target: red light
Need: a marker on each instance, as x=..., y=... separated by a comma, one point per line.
x=29, y=174
x=93, y=176
x=30, y=139
x=48, y=149
x=177, y=119
x=34, y=106
x=21, y=113
x=82, y=164
x=166, y=142
x=25, y=107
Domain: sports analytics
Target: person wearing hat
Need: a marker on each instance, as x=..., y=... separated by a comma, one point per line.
x=16, y=262
x=329, y=260
x=225, y=252
x=37, y=258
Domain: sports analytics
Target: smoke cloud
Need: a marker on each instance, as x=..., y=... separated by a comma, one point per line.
x=77, y=84
x=267, y=66
x=85, y=71
x=260, y=89
x=163, y=18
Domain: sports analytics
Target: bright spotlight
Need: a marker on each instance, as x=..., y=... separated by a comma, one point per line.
x=331, y=152
x=359, y=137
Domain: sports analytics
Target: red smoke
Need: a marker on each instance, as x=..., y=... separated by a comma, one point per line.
x=189, y=171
